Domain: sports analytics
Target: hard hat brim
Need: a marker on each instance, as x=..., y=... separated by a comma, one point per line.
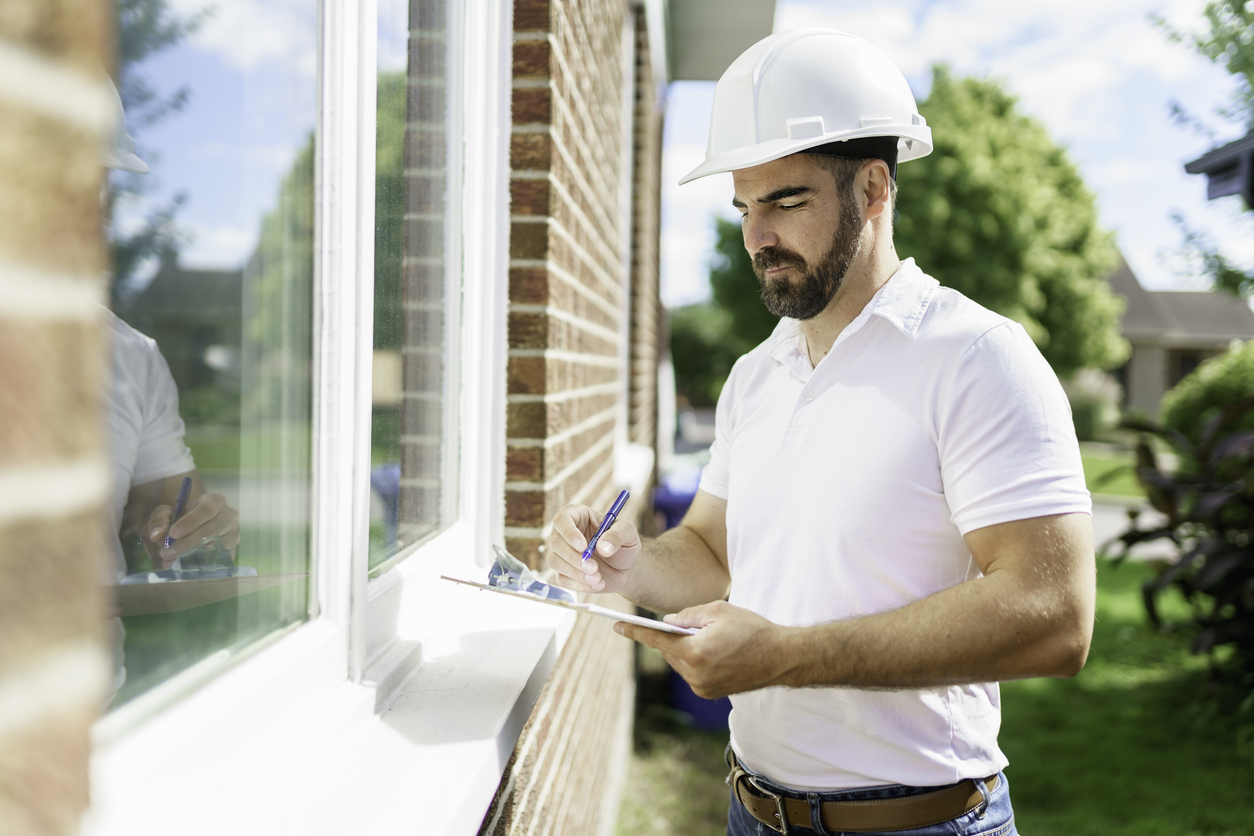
x=125, y=161
x=915, y=142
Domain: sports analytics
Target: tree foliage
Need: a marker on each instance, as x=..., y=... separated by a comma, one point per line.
x=999, y=212
x=144, y=28
x=1228, y=40
x=1203, y=395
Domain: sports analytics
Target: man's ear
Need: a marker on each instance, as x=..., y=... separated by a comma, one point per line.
x=875, y=187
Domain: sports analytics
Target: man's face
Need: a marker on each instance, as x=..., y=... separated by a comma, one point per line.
x=801, y=234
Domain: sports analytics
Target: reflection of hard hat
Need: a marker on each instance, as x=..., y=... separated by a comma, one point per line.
x=800, y=89
x=119, y=146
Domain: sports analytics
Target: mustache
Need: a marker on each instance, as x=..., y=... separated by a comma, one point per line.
x=769, y=258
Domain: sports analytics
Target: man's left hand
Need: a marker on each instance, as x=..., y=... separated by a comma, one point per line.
x=735, y=650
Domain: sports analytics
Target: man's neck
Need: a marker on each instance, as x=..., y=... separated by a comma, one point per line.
x=862, y=281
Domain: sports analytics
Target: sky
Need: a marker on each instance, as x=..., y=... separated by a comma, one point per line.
x=1097, y=73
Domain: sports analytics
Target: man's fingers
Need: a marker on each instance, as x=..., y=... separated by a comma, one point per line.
x=158, y=522
x=570, y=523
x=201, y=512
x=656, y=639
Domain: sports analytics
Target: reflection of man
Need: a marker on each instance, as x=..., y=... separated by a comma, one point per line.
x=149, y=457
x=894, y=508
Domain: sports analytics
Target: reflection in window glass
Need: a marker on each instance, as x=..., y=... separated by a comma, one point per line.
x=210, y=221
x=411, y=427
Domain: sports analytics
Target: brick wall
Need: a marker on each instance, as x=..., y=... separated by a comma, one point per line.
x=566, y=262
x=646, y=335
x=568, y=256
x=53, y=480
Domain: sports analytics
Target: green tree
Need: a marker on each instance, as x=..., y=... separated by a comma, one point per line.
x=999, y=212
x=1227, y=40
x=144, y=28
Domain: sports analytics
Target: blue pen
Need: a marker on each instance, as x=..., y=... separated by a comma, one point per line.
x=610, y=516
x=185, y=490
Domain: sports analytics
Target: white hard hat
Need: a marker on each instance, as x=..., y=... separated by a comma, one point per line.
x=118, y=150
x=797, y=90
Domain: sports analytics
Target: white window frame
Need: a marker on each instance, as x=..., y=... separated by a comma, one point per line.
x=396, y=706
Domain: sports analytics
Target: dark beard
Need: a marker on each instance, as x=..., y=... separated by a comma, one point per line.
x=809, y=296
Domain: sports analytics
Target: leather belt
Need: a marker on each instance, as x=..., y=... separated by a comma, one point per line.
x=780, y=812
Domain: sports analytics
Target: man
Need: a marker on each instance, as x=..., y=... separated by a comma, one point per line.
x=894, y=509
x=148, y=456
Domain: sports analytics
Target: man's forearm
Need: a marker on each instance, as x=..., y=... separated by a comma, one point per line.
x=677, y=570
x=988, y=629
x=1030, y=614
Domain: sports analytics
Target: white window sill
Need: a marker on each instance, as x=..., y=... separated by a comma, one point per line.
x=277, y=745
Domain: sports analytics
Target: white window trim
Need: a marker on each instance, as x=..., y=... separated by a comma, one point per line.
x=396, y=707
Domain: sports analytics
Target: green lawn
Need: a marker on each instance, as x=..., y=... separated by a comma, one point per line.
x=1110, y=473
x=1138, y=743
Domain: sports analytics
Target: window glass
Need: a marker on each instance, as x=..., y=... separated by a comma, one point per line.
x=210, y=222
x=413, y=428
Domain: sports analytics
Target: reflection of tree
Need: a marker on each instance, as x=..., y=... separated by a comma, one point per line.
x=389, y=206
x=277, y=296
x=144, y=28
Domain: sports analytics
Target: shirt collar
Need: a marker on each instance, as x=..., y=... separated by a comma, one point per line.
x=902, y=301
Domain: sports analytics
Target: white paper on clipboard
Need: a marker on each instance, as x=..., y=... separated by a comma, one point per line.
x=590, y=609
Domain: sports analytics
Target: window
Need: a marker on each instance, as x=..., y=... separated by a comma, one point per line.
x=211, y=226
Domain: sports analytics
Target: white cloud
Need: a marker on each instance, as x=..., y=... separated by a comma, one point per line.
x=249, y=32
x=217, y=247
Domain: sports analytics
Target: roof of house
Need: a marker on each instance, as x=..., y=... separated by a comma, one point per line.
x=198, y=293
x=1223, y=156
x=1180, y=318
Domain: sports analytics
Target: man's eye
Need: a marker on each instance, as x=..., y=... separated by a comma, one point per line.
x=791, y=206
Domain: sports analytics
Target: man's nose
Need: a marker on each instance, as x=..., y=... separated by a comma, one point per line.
x=758, y=233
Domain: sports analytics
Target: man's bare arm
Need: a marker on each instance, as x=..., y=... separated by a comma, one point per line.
x=684, y=567
x=1031, y=614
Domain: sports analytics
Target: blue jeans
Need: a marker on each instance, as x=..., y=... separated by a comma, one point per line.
x=997, y=820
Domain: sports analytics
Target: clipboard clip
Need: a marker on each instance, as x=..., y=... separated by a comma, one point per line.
x=508, y=572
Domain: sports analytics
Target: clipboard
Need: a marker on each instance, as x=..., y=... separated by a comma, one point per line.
x=589, y=609
x=176, y=596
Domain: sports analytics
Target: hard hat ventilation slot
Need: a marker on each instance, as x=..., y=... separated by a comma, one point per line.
x=805, y=128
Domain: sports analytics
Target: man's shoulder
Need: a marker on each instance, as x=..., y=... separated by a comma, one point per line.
x=955, y=320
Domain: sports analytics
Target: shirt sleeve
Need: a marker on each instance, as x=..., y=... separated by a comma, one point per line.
x=716, y=476
x=1007, y=444
x=162, y=452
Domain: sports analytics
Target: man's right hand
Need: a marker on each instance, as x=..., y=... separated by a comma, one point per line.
x=616, y=553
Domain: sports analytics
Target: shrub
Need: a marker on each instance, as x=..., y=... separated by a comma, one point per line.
x=1210, y=518
x=1200, y=397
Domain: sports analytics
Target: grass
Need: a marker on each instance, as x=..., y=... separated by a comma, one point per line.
x=1109, y=472
x=1141, y=742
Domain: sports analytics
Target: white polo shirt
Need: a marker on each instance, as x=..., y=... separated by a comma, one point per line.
x=849, y=487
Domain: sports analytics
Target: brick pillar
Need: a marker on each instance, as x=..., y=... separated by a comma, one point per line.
x=647, y=336
x=53, y=477
x=565, y=303
x=565, y=262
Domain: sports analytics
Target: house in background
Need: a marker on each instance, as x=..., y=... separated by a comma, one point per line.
x=1171, y=333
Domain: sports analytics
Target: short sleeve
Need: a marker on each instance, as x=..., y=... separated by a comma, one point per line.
x=1005, y=437
x=716, y=476
x=162, y=452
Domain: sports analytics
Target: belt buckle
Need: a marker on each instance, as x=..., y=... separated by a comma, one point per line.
x=779, y=803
